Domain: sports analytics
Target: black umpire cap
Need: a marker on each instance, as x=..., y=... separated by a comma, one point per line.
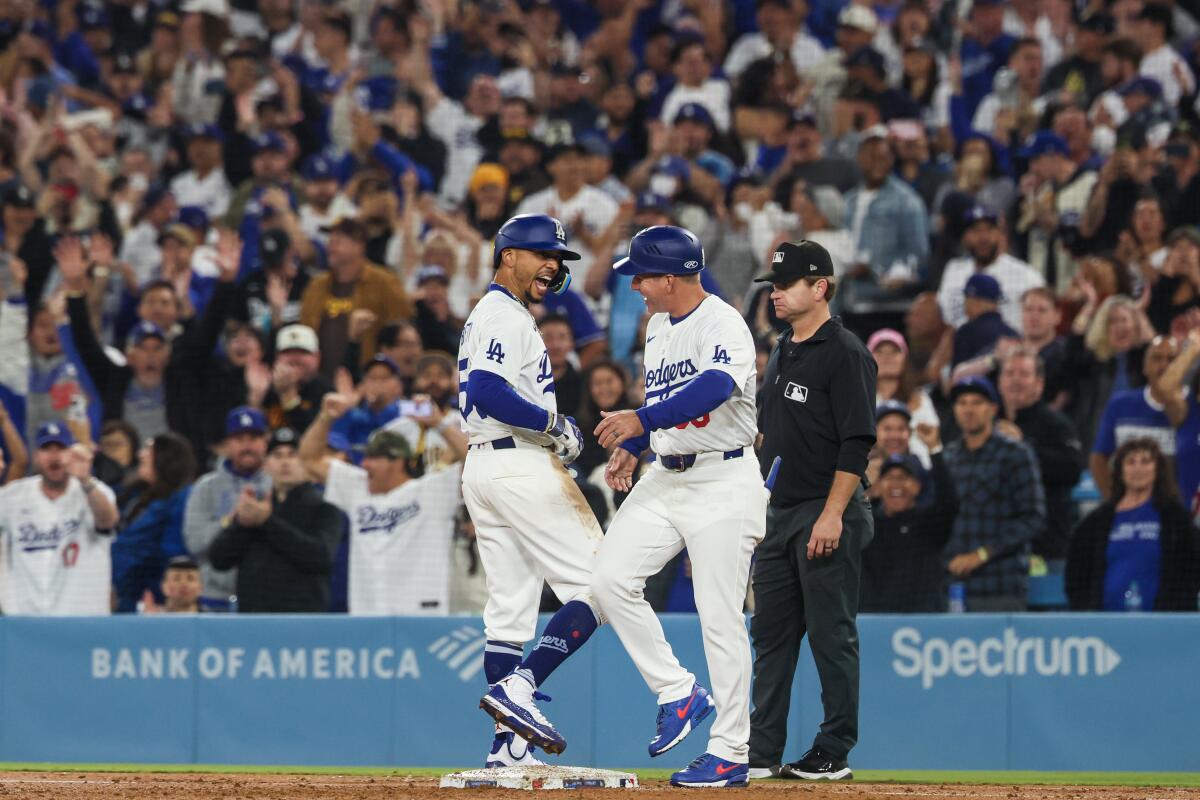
x=794, y=260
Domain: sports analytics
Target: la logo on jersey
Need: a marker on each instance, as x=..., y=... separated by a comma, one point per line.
x=795, y=391
x=559, y=233
x=721, y=355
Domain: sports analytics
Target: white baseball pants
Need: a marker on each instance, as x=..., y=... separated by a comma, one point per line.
x=532, y=524
x=717, y=510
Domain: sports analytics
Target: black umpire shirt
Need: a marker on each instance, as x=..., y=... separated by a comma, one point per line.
x=816, y=409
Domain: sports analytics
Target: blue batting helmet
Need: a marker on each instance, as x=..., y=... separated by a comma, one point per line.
x=662, y=250
x=536, y=232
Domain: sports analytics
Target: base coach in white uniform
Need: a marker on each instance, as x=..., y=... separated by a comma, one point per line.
x=816, y=411
x=703, y=493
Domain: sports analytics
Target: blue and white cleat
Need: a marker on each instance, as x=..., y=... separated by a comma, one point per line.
x=710, y=771
x=510, y=750
x=511, y=703
x=676, y=720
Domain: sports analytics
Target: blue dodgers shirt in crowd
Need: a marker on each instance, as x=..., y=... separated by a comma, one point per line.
x=1187, y=455
x=1131, y=415
x=1134, y=553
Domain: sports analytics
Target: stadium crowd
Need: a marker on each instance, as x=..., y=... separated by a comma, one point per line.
x=240, y=238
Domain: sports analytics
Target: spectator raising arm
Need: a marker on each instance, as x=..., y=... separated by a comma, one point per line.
x=104, y=510
x=1171, y=382
x=14, y=445
x=314, y=454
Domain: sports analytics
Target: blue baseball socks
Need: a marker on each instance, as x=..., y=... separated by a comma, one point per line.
x=567, y=630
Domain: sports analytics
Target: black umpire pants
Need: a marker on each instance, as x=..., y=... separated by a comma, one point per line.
x=794, y=596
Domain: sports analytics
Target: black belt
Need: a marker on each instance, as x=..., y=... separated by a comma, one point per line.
x=685, y=462
x=506, y=443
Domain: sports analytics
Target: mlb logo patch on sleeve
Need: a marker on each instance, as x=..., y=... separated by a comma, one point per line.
x=795, y=391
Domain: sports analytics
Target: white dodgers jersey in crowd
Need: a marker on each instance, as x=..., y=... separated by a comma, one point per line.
x=713, y=336
x=501, y=337
x=54, y=561
x=400, y=542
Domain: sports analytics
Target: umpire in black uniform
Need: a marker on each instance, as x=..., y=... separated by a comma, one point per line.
x=816, y=411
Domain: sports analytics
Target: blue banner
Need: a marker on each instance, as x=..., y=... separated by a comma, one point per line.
x=1036, y=692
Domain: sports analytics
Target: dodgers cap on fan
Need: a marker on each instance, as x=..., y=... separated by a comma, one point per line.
x=245, y=419
x=904, y=461
x=983, y=287
x=892, y=407
x=319, y=167
x=662, y=250
x=974, y=384
x=269, y=141
x=194, y=217
x=1044, y=143
x=792, y=261
x=146, y=330
x=202, y=130
x=53, y=432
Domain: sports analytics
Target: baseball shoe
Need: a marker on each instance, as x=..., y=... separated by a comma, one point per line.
x=676, y=720
x=511, y=703
x=817, y=766
x=708, y=770
x=510, y=750
x=761, y=773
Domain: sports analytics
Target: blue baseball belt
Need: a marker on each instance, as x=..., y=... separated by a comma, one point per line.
x=681, y=463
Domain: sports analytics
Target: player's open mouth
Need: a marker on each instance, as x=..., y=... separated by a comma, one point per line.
x=543, y=281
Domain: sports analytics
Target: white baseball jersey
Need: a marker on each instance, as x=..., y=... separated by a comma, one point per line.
x=501, y=337
x=713, y=336
x=400, y=541
x=55, y=562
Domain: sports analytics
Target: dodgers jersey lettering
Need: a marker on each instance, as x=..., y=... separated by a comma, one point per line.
x=713, y=336
x=55, y=563
x=400, y=542
x=501, y=337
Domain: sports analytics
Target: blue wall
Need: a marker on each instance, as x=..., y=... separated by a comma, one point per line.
x=1042, y=692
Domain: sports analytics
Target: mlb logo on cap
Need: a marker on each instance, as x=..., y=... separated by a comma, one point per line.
x=777, y=258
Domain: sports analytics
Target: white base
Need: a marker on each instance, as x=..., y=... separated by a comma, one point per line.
x=545, y=777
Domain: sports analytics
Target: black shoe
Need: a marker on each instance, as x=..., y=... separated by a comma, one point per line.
x=816, y=766
x=758, y=773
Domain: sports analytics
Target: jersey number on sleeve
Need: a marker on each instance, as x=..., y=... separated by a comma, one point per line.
x=698, y=422
x=464, y=399
x=495, y=352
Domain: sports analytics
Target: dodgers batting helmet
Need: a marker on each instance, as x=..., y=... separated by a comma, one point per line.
x=662, y=250
x=536, y=232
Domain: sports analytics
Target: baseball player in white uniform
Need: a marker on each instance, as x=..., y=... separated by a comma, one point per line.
x=56, y=529
x=704, y=492
x=531, y=521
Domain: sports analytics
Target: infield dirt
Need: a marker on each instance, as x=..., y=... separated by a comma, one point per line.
x=132, y=786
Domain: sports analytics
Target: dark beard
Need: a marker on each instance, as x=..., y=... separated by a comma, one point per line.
x=986, y=257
